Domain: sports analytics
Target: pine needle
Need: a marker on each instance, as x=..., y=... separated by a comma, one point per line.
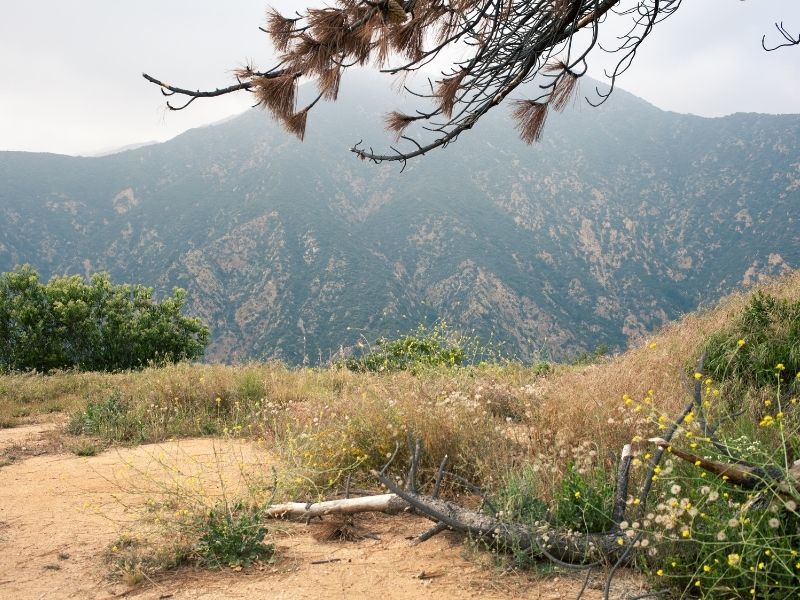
x=530, y=117
x=277, y=93
x=446, y=92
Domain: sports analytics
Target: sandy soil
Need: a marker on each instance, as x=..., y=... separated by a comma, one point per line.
x=60, y=513
x=28, y=439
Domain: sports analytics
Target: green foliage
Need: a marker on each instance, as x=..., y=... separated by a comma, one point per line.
x=110, y=419
x=518, y=497
x=251, y=388
x=233, y=535
x=584, y=502
x=714, y=540
x=95, y=325
x=423, y=347
x=766, y=334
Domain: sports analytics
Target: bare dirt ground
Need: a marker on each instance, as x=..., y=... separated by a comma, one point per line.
x=60, y=514
x=29, y=440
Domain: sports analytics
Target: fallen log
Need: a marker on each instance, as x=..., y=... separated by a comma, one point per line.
x=539, y=540
x=569, y=549
x=542, y=541
x=383, y=503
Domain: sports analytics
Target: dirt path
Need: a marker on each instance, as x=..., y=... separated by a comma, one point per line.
x=60, y=513
x=25, y=437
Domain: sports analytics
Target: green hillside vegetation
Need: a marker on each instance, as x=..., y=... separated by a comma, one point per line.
x=420, y=349
x=544, y=443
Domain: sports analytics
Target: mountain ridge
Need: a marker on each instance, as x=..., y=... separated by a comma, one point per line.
x=622, y=218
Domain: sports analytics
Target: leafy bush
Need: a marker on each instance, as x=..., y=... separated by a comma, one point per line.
x=588, y=358
x=714, y=540
x=110, y=419
x=584, y=503
x=705, y=536
x=423, y=347
x=518, y=497
x=582, y=499
x=766, y=334
x=95, y=325
x=233, y=536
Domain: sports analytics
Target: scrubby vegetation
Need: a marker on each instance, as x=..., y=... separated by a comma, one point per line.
x=93, y=326
x=543, y=443
x=765, y=334
x=232, y=535
x=419, y=349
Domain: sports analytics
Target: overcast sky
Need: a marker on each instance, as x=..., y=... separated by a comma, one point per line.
x=71, y=69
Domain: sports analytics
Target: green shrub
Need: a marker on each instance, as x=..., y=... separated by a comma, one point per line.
x=251, y=388
x=765, y=335
x=590, y=358
x=110, y=419
x=584, y=502
x=94, y=326
x=233, y=535
x=423, y=347
x=518, y=497
x=714, y=540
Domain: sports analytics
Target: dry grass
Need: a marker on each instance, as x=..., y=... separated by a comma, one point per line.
x=578, y=402
x=326, y=423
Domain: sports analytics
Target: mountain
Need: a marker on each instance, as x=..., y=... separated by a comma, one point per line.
x=621, y=218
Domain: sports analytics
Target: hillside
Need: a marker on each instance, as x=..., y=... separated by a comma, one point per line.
x=183, y=437
x=621, y=219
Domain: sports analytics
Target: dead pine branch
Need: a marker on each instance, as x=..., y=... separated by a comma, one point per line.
x=544, y=541
x=501, y=46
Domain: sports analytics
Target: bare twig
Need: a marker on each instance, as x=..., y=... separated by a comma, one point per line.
x=325, y=562
x=621, y=494
x=429, y=533
x=439, y=476
x=790, y=40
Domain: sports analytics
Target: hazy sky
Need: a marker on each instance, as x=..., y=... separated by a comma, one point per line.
x=71, y=69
